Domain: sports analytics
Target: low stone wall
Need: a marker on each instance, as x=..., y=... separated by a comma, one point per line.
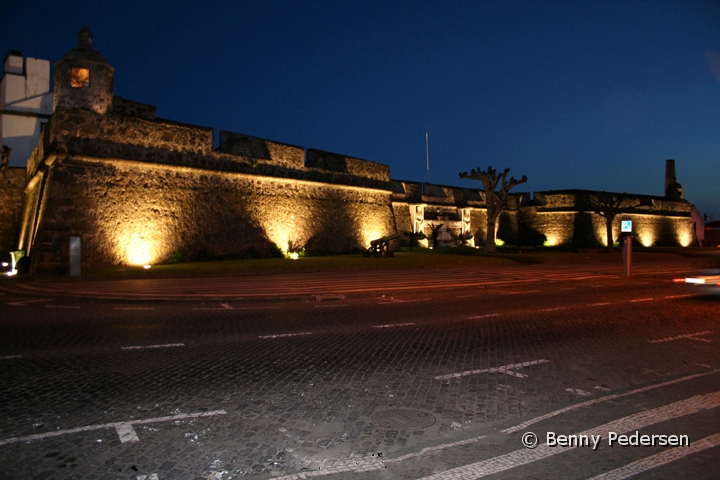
x=354, y=166
x=262, y=151
x=92, y=127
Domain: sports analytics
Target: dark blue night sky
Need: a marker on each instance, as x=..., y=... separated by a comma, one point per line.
x=594, y=95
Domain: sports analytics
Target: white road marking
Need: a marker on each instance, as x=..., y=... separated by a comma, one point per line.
x=553, y=309
x=24, y=303
x=577, y=391
x=392, y=300
x=256, y=308
x=602, y=389
x=659, y=459
x=689, y=336
x=522, y=426
x=392, y=325
x=483, y=316
x=681, y=296
x=223, y=306
x=519, y=293
x=506, y=369
x=63, y=306
x=598, y=304
x=138, y=347
x=10, y=357
x=134, y=308
x=282, y=335
x=118, y=426
x=126, y=432
x=364, y=464
x=374, y=462
x=641, y=300
x=153, y=476
x=623, y=425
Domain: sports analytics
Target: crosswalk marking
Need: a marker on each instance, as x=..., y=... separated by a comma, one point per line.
x=506, y=369
x=659, y=459
x=623, y=425
x=122, y=428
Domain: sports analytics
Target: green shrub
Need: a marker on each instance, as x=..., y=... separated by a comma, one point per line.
x=177, y=257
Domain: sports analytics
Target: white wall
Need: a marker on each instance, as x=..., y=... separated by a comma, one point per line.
x=26, y=102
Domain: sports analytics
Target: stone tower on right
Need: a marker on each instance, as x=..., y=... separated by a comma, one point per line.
x=673, y=190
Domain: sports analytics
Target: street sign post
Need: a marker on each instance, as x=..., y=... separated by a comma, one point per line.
x=626, y=227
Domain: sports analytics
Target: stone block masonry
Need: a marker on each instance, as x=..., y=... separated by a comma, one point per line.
x=12, y=184
x=137, y=190
x=135, y=213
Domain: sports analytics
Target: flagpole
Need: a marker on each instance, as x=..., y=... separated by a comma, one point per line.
x=427, y=156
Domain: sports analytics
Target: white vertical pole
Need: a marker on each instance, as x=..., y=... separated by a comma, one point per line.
x=427, y=156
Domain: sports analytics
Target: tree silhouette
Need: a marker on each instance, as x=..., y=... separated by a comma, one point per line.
x=414, y=237
x=435, y=232
x=609, y=206
x=495, y=201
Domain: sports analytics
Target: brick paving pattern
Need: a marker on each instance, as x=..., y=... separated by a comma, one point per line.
x=305, y=403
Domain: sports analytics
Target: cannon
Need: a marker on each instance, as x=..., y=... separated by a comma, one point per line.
x=380, y=247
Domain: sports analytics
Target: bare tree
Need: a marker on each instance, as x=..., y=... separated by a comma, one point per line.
x=609, y=206
x=496, y=201
x=435, y=232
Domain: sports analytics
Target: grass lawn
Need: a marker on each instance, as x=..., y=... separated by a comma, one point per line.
x=417, y=258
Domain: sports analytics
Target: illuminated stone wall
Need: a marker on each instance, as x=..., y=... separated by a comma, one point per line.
x=12, y=183
x=565, y=218
x=137, y=190
x=440, y=202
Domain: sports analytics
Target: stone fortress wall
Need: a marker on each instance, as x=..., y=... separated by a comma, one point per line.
x=12, y=185
x=137, y=189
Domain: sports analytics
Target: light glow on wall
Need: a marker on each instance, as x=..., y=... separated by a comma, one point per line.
x=370, y=234
x=281, y=235
x=551, y=241
x=139, y=250
x=646, y=237
x=685, y=238
x=139, y=246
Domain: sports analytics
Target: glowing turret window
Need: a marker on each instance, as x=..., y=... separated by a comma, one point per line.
x=79, y=77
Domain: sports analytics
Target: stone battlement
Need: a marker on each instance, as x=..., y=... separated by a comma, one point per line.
x=123, y=135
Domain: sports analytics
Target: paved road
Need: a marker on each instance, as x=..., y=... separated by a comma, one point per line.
x=348, y=283
x=408, y=383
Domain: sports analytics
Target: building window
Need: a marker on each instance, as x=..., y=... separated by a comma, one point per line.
x=79, y=77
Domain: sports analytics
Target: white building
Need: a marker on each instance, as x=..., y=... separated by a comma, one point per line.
x=26, y=103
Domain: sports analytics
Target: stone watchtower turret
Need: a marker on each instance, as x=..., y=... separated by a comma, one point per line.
x=83, y=78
